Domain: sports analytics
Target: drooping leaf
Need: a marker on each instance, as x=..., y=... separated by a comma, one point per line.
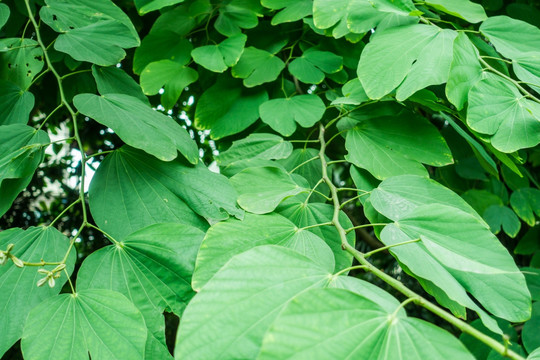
x=497, y=108
x=532, y=276
x=152, y=268
x=498, y=217
x=138, y=125
x=283, y=114
x=121, y=202
x=311, y=67
x=161, y=45
x=291, y=11
x=220, y=57
x=236, y=15
x=15, y=103
x=19, y=289
x=257, y=145
x=226, y=108
x=526, y=203
x=465, y=9
x=20, y=60
x=419, y=55
x=480, y=200
x=4, y=14
x=111, y=326
x=307, y=327
x=21, y=152
x=530, y=335
x=389, y=146
x=261, y=189
x=96, y=31
x=512, y=38
x=257, y=67
x=182, y=18
x=170, y=75
x=465, y=71
x=146, y=6
x=113, y=80
x=229, y=238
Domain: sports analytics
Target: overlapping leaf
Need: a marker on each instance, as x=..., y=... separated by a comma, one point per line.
x=161, y=45
x=21, y=60
x=256, y=146
x=15, y=104
x=257, y=67
x=138, y=125
x=236, y=15
x=465, y=9
x=111, y=326
x=18, y=286
x=526, y=203
x=313, y=64
x=338, y=324
x=113, y=80
x=4, y=14
x=220, y=57
x=290, y=11
x=91, y=30
x=146, y=6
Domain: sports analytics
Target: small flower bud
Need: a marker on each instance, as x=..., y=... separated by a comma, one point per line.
x=3, y=258
x=18, y=262
x=9, y=248
x=42, y=281
x=59, y=268
x=51, y=281
x=43, y=271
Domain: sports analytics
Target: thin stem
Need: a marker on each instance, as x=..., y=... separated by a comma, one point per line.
x=75, y=73
x=335, y=162
x=104, y=233
x=72, y=241
x=37, y=78
x=353, y=199
x=70, y=283
x=313, y=190
x=349, y=269
x=495, y=58
x=41, y=263
x=368, y=254
x=396, y=284
x=99, y=154
x=352, y=189
x=364, y=226
x=49, y=116
x=64, y=211
x=316, y=225
x=304, y=163
x=403, y=304
x=303, y=141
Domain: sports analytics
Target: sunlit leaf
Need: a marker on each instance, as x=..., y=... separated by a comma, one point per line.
x=258, y=145
x=218, y=58
x=291, y=11
x=313, y=64
x=20, y=60
x=236, y=15
x=146, y=6
x=257, y=67
x=464, y=9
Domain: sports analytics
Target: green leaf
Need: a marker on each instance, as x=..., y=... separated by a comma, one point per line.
x=512, y=38
x=283, y=114
x=21, y=152
x=138, y=125
x=257, y=67
x=256, y=146
x=226, y=108
x=113, y=80
x=292, y=11
x=231, y=237
x=15, y=103
x=4, y=14
x=261, y=189
x=231, y=313
x=181, y=19
x=497, y=108
x=528, y=70
x=21, y=60
x=464, y=9
x=112, y=328
x=465, y=71
x=532, y=276
x=419, y=56
x=526, y=203
x=306, y=328
x=159, y=259
x=170, y=75
x=218, y=58
x=18, y=286
x=236, y=15
x=311, y=67
x=530, y=335
x=535, y=355
x=318, y=213
x=161, y=45
x=388, y=146
x=146, y=6
x=353, y=94
x=529, y=243
x=498, y=216
x=121, y=202
x=96, y=31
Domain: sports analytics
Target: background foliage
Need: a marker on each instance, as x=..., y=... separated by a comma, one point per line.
x=269, y=179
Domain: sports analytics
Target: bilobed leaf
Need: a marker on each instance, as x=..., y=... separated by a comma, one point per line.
x=291, y=11
x=146, y=6
x=226, y=108
x=512, y=38
x=21, y=60
x=21, y=152
x=283, y=114
x=527, y=69
x=152, y=268
x=138, y=125
x=465, y=9
x=257, y=145
x=353, y=94
x=170, y=75
x=526, y=203
x=530, y=335
x=121, y=202
x=257, y=67
x=402, y=49
x=498, y=216
x=111, y=326
x=497, y=108
x=389, y=146
x=400, y=7
x=4, y=14
x=96, y=31
x=313, y=64
x=237, y=15
x=218, y=58
x=19, y=289
x=15, y=103
x=113, y=80
x=339, y=324
x=261, y=189
x=161, y=45
x=232, y=237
